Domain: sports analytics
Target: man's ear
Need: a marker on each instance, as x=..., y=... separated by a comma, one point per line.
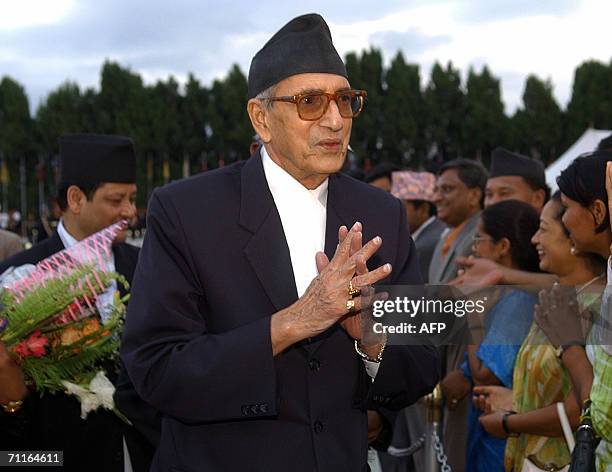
x=475, y=195
x=539, y=198
x=258, y=113
x=75, y=199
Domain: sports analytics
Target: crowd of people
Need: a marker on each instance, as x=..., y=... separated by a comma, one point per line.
x=503, y=229
x=244, y=347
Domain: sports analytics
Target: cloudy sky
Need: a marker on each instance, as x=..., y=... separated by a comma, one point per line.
x=45, y=42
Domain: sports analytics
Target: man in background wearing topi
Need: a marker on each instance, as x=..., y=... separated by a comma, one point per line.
x=516, y=177
x=97, y=188
x=416, y=190
x=243, y=329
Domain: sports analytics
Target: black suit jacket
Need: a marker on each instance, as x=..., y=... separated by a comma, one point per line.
x=53, y=422
x=214, y=267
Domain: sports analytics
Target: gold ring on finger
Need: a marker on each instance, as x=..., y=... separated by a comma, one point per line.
x=352, y=290
x=350, y=305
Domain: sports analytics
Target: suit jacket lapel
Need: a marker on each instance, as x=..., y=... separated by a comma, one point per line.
x=54, y=244
x=333, y=221
x=267, y=250
x=465, y=232
x=124, y=266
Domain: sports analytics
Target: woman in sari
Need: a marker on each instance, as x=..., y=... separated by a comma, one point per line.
x=540, y=381
x=586, y=187
x=503, y=235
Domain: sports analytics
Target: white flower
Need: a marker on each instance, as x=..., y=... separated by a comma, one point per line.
x=104, y=390
x=99, y=393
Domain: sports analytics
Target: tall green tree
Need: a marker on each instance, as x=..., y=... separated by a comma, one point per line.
x=15, y=120
x=366, y=72
x=229, y=121
x=123, y=105
x=445, y=104
x=16, y=142
x=194, y=120
x=537, y=126
x=485, y=123
x=402, y=110
x=591, y=102
x=62, y=112
x=164, y=105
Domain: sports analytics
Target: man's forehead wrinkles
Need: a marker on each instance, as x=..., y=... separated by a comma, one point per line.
x=301, y=83
x=307, y=89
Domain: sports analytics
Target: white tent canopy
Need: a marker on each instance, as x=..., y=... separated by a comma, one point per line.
x=586, y=143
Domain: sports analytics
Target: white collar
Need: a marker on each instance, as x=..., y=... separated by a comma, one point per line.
x=421, y=228
x=281, y=182
x=65, y=236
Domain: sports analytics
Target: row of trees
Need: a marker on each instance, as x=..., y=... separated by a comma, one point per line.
x=182, y=130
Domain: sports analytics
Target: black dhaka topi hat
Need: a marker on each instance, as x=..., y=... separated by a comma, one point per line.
x=504, y=162
x=91, y=159
x=301, y=46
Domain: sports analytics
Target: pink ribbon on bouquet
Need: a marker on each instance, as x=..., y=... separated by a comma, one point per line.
x=95, y=249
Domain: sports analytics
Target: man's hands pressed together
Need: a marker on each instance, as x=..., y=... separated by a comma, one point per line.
x=325, y=300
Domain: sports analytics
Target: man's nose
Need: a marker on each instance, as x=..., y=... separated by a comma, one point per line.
x=128, y=211
x=332, y=118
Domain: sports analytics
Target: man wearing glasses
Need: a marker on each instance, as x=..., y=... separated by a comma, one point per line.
x=243, y=327
x=458, y=196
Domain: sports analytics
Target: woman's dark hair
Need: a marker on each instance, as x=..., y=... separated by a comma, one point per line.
x=558, y=216
x=584, y=181
x=595, y=262
x=516, y=221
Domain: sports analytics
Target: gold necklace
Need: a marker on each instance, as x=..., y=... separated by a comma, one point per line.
x=583, y=286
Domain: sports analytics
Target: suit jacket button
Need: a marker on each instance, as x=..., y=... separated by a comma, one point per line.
x=314, y=364
x=318, y=427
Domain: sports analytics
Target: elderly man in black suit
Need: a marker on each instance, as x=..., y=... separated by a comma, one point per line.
x=244, y=324
x=97, y=188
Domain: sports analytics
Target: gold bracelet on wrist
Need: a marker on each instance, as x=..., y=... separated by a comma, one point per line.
x=365, y=357
x=12, y=406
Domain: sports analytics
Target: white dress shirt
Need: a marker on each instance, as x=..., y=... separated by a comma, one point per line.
x=303, y=214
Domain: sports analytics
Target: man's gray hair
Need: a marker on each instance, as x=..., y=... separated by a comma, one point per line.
x=267, y=93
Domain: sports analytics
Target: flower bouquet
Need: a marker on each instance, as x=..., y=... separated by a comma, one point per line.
x=51, y=323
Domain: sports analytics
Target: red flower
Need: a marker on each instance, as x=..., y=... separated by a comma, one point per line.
x=20, y=349
x=35, y=346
